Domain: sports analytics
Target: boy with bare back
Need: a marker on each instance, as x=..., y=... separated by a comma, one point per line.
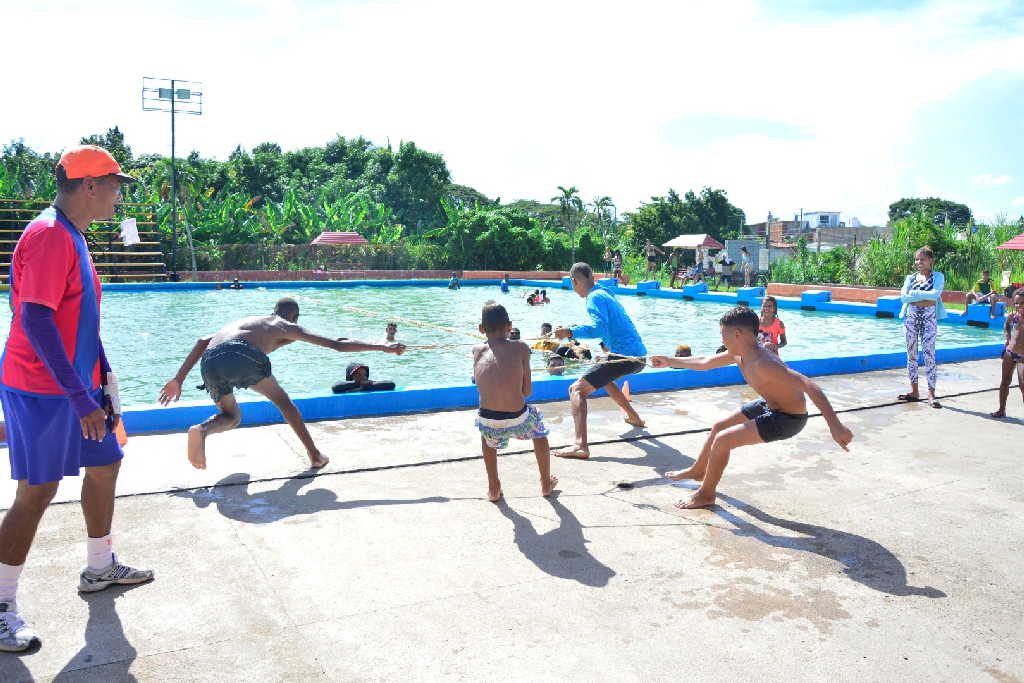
x=501, y=370
x=780, y=414
x=236, y=358
x=1013, y=351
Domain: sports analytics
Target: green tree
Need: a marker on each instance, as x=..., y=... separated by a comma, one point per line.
x=570, y=206
x=113, y=142
x=938, y=210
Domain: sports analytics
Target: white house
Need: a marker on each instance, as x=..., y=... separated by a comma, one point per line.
x=822, y=219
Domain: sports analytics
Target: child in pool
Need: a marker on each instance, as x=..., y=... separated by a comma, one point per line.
x=1013, y=352
x=546, y=341
x=771, y=331
x=780, y=414
x=501, y=371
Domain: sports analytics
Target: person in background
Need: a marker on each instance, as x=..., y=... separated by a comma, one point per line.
x=453, y=282
x=503, y=285
x=727, y=264
x=57, y=389
x=514, y=334
x=745, y=266
x=1013, y=352
x=922, y=310
x=556, y=364
x=544, y=297
x=772, y=333
x=546, y=342
x=683, y=351
x=390, y=331
x=984, y=292
x=652, y=252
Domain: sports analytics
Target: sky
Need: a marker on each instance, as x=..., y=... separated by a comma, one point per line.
x=818, y=105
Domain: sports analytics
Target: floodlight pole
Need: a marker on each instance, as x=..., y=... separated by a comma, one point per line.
x=174, y=197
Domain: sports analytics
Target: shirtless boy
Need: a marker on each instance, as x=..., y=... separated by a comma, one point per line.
x=236, y=358
x=780, y=414
x=1013, y=352
x=501, y=371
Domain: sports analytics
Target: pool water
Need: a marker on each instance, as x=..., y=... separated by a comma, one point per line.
x=148, y=334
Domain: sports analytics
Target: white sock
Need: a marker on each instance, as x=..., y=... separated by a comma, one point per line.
x=9, y=575
x=100, y=552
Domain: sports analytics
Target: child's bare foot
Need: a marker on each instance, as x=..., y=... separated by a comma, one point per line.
x=547, y=488
x=678, y=475
x=998, y=413
x=699, y=500
x=635, y=422
x=318, y=460
x=494, y=495
x=572, y=452
x=197, y=447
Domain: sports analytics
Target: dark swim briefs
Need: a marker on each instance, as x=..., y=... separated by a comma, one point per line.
x=1014, y=357
x=604, y=373
x=773, y=425
x=235, y=364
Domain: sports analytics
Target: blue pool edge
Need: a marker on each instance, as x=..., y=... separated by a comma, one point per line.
x=148, y=419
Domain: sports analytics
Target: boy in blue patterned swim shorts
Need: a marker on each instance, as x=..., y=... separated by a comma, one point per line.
x=501, y=371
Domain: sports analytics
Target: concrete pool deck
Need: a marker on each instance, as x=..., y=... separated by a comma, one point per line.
x=900, y=560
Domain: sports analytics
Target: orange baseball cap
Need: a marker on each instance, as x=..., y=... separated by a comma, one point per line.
x=90, y=161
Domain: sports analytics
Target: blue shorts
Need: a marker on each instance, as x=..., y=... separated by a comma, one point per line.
x=45, y=442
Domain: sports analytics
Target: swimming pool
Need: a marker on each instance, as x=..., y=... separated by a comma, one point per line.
x=147, y=334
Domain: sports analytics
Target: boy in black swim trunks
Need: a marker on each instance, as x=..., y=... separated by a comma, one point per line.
x=236, y=358
x=780, y=414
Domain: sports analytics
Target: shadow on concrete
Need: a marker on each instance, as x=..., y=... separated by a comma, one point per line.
x=981, y=414
x=561, y=552
x=106, y=655
x=233, y=500
x=865, y=561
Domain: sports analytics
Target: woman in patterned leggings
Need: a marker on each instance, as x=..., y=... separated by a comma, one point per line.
x=922, y=309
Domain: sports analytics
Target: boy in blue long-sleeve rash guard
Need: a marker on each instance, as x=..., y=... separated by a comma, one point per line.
x=610, y=323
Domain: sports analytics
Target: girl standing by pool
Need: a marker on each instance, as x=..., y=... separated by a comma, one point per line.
x=745, y=266
x=771, y=333
x=922, y=309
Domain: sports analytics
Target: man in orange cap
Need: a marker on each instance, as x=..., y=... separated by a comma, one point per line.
x=55, y=383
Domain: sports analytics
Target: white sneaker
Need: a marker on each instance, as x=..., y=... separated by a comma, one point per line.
x=15, y=634
x=115, y=573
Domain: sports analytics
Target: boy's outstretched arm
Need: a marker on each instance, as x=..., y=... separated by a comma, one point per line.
x=840, y=432
x=299, y=333
x=172, y=390
x=693, y=362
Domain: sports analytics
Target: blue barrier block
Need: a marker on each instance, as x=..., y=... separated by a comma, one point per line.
x=888, y=306
x=606, y=282
x=749, y=292
x=698, y=288
x=567, y=282
x=978, y=315
x=814, y=296
x=648, y=285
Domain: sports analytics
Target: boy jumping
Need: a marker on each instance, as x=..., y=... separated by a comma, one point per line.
x=501, y=371
x=780, y=414
x=236, y=358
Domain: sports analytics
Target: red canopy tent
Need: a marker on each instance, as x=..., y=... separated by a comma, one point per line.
x=345, y=258
x=1016, y=243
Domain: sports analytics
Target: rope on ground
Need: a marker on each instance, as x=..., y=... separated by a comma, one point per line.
x=467, y=458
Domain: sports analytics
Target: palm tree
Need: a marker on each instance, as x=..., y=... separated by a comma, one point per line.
x=570, y=206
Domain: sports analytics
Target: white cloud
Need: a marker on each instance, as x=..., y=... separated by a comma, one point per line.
x=991, y=179
x=1018, y=201
x=522, y=98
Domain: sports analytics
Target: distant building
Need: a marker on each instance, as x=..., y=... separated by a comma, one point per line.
x=822, y=219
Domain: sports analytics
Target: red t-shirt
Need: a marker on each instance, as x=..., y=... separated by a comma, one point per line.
x=45, y=270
